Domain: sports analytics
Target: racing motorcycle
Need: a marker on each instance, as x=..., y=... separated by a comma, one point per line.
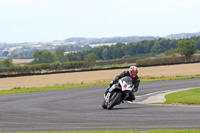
x=117, y=93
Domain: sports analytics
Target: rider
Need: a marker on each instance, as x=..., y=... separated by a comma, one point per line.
x=133, y=70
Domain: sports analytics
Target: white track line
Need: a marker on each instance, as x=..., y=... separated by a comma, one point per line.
x=157, y=97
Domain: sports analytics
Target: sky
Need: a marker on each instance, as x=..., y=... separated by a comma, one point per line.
x=48, y=20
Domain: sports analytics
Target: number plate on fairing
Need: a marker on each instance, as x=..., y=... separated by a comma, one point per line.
x=112, y=88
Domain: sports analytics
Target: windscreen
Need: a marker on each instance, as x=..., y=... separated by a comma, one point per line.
x=127, y=79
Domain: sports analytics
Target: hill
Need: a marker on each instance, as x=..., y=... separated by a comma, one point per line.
x=87, y=41
x=182, y=35
x=76, y=44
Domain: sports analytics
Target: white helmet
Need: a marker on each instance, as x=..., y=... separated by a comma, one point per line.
x=133, y=70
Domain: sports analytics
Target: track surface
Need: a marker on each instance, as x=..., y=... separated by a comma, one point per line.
x=80, y=110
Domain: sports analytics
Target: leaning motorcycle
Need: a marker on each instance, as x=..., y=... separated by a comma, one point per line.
x=117, y=93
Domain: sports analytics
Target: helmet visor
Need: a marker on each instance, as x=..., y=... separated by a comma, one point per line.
x=133, y=72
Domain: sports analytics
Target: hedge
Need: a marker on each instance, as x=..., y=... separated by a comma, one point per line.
x=38, y=68
x=166, y=60
x=56, y=67
x=115, y=62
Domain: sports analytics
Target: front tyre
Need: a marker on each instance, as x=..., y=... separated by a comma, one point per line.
x=104, y=104
x=114, y=100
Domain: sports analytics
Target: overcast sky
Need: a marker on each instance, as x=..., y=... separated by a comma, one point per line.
x=48, y=20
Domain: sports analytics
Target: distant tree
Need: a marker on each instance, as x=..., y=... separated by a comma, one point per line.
x=170, y=52
x=43, y=56
x=128, y=50
x=98, y=52
x=72, y=57
x=187, y=48
x=106, y=54
x=196, y=40
x=91, y=59
x=147, y=45
x=22, y=54
x=15, y=56
x=59, y=54
x=5, y=53
x=7, y=62
x=157, y=48
x=116, y=51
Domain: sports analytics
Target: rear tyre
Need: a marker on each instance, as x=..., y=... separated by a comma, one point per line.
x=115, y=99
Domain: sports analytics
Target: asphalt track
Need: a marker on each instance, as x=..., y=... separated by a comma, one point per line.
x=80, y=110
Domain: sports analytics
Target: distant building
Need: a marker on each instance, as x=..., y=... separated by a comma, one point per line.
x=68, y=52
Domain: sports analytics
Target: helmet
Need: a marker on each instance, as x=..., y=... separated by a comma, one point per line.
x=133, y=70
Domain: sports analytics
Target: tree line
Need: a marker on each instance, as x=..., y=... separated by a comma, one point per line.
x=134, y=49
x=47, y=60
x=120, y=51
x=185, y=47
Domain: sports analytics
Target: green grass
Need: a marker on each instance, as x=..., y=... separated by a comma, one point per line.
x=174, y=131
x=155, y=131
x=191, y=96
x=171, y=78
x=24, y=90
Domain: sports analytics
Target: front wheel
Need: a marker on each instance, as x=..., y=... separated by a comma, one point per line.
x=114, y=100
x=104, y=104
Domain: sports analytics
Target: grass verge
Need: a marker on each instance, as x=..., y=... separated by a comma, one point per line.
x=156, y=131
x=189, y=97
x=24, y=90
x=48, y=88
x=150, y=79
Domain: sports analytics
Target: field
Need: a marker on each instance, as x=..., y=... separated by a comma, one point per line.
x=97, y=76
x=21, y=61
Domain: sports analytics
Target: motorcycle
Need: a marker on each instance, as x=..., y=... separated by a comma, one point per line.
x=117, y=93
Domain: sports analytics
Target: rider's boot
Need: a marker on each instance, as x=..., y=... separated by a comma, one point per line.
x=131, y=97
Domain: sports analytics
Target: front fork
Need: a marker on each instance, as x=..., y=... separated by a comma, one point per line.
x=107, y=96
x=126, y=94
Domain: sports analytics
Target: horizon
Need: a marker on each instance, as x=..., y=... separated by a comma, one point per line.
x=99, y=38
x=49, y=20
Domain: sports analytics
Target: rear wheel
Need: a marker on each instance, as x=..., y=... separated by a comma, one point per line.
x=114, y=100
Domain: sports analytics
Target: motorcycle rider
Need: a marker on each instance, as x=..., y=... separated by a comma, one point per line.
x=133, y=71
